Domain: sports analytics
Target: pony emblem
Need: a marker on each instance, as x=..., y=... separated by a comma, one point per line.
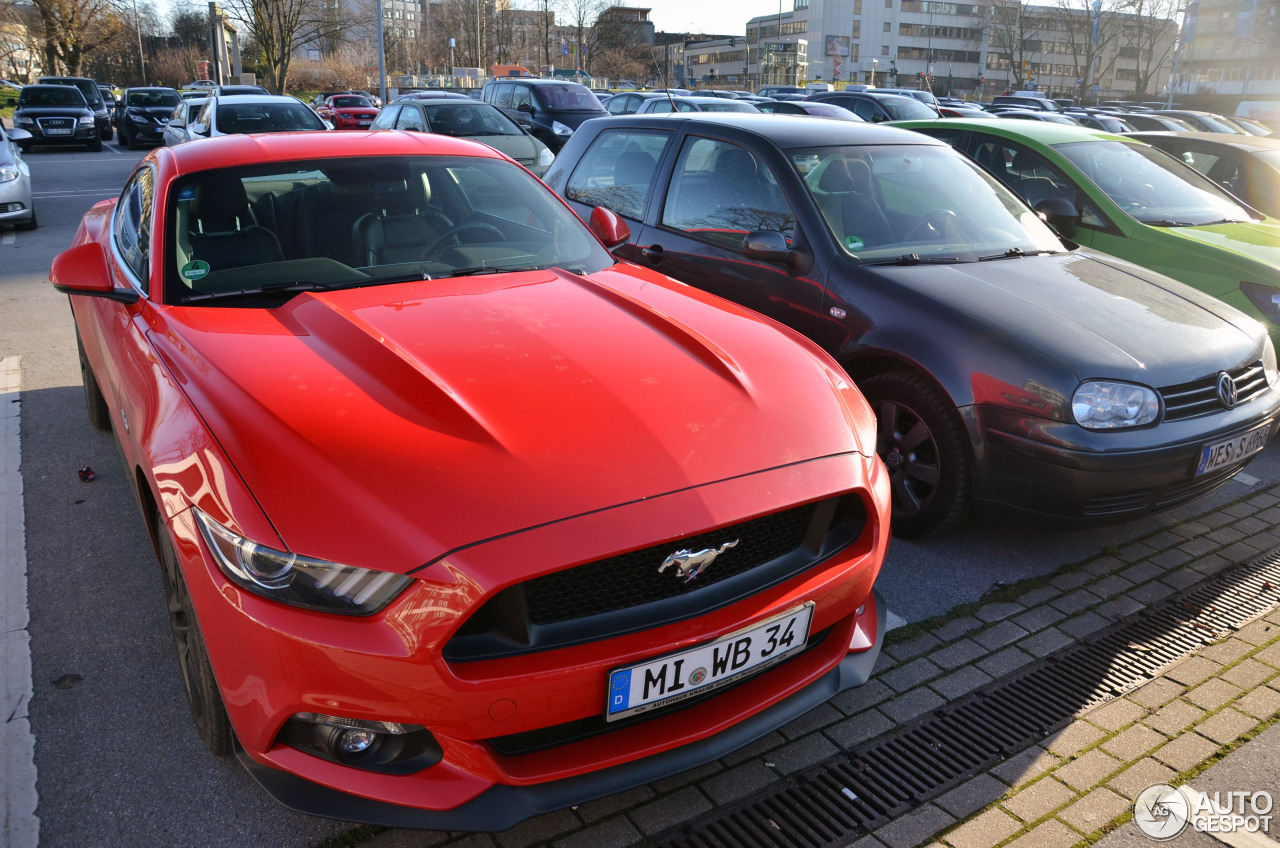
x=689, y=564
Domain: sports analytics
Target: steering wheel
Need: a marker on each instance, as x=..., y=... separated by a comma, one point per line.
x=935, y=221
x=451, y=235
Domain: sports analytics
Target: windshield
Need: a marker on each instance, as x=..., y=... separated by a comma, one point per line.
x=152, y=98
x=1152, y=186
x=52, y=95
x=567, y=97
x=362, y=221
x=891, y=203
x=351, y=101
x=907, y=109
x=469, y=119
x=235, y=118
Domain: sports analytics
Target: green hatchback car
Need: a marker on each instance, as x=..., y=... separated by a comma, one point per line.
x=1126, y=198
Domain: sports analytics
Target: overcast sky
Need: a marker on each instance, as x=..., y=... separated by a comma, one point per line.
x=724, y=17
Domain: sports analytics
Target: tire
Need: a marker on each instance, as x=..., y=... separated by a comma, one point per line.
x=31, y=224
x=922, y=443
x=107, y=133
x=208, y=713
x=24, y=147
x=95, y=146
x=99, y=412
x=126, y=139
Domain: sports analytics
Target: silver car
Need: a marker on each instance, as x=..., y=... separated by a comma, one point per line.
x=184, y=115
x=253, y=113
x=16, y=206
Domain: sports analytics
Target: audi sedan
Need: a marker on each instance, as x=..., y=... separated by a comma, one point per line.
x=348, y=111
x=1013, y=375
x=459, y=519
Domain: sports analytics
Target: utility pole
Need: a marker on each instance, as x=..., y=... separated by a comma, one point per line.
x=137, y=24
x=382, y=58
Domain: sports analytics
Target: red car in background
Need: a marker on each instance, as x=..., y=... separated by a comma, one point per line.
x=460, y=519
x=348, y=111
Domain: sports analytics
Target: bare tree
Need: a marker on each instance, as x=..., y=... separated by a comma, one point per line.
x=1015, y=29
x=21, y=41
x=75, y=28
x=1091, y=29
x=280, y=27
x=580, y=19
x=1147, y=33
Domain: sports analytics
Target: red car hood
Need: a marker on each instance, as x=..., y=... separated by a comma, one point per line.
x=386, y=426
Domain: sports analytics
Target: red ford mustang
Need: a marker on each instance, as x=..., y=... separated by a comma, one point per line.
x=348, y=111
x=460, y=519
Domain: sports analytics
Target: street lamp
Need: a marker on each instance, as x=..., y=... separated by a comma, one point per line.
x=875, y=63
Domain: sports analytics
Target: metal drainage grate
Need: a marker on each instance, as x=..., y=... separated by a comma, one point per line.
x=839, y=800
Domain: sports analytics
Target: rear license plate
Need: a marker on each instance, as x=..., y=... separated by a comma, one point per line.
x=1229, y=452
x=57, y=132
x=677, y=677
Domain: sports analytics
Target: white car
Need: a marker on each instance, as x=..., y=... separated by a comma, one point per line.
x=253, y=113
x=210, y=84
x=16, y=206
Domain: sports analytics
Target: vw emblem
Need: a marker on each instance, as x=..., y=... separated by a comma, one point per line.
x=689, y=564
x=1227, y=390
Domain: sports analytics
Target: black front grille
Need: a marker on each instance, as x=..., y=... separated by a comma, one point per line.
x=1200, y=397
x=626, y=593
x=1160, y=498
x=55, y=123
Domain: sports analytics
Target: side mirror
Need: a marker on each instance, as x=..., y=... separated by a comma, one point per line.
x=18, y=134
x=771, y=246
x=200, y=129
x=878, y=118
x=1061, y=214
x=10, y=102
x=525, y=107
x=83, y=270
x=609, y=227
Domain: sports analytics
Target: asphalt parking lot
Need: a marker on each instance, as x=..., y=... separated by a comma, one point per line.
x=117, y=762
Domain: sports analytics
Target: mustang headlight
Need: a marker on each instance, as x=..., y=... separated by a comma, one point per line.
x=1104, y=405
x=561, y=129
x=297, y=580
x=545, y=158
x=8, y=173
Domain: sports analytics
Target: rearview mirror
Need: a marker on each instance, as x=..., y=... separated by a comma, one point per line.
x=609, y=227
x=1061, y=214
x=771, y=246
x=83, y=270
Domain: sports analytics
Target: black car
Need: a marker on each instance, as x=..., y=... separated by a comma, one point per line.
x=1010, y=372
x=550, y=109
x=92, y=96
x=1248, y=166
x=143, y=113
x=55, y=114
x=873, y=107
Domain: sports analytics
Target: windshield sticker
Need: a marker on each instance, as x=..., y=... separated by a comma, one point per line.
x=195, y=269
x=188, y=193
x=853, y=243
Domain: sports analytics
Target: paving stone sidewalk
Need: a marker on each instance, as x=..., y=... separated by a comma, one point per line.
x=1076, y=785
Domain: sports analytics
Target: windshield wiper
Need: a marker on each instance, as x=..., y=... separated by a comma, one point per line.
x=915, y=259
x=1166, y=223
x=277, y=288
x=1013, y=253
x=1224, y=221
x=476, y=270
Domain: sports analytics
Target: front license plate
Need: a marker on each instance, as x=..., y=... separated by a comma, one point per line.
x=1229, y=452
x=677, y=677
x=57, y=132
x=365, y=123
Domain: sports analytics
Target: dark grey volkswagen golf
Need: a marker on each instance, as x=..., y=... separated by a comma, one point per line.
x=1014, y=375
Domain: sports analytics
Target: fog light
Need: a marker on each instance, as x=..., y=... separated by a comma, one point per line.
x=356, y=741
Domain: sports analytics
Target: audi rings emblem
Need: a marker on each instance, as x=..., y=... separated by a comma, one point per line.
x=1227, y=392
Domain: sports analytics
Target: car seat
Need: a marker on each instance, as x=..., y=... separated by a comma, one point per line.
x=402, y=227
x=852, y=210
x=223, y=231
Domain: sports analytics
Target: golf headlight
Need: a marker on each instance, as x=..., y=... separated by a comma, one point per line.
x=1269, y=362
x=8, y=173
x=561, y=129
x=546, y=157
x=1103, y=405
x=297, y=580
x=86, y=121
x=1266, y=298
x=23, y=120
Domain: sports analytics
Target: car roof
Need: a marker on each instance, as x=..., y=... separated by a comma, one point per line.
x=1044, y=132
x=1241, y=142
x=241, y=99
x=245, y=150
x=785, y=131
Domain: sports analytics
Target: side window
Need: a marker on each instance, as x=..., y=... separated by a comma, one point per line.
x=411, y=119
x=1033, y=178
x=864, y=109
x=617, y=171
x=951, y=137
x=386, y=118
x=179, y=116
x=132, y=225
x=522, y=96
x=721, y=191
x=502, y=94
x=618, y=105
x=206, y=114
x=659, y=105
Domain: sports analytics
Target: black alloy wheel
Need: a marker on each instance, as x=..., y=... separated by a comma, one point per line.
x=922, y=444
x=207, y=710
x=99, y=412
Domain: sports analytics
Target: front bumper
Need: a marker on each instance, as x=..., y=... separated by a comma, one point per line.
x=15, y=193
x=1060, y=475
x=146, y=133
x=82, y=134
x=502, y=806
x=392, y=666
